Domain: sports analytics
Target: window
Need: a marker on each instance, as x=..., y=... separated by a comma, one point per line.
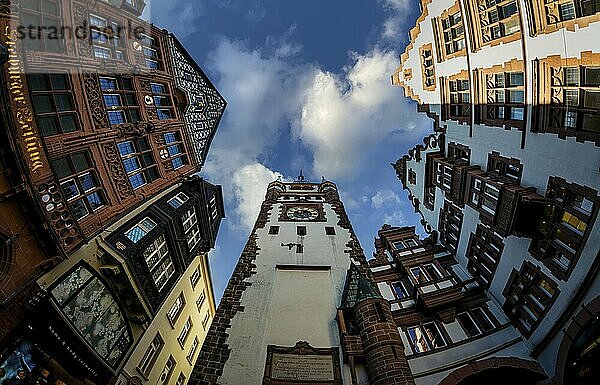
x=301, y=230
x=195, y=277
x=274, y=230
x=53, y=103
x=579, y=108
x=185, y=332
x=107, y=38
x=329, y=231
x=454, y=34
x=192, y=352
x=180, y=379
x=79, y=184
x=191, y=228
x=505, y=100
x=509, y=169
x=120, y=100
x=563, y=225
x=427, y=67
x=400, y=290
x=425, y=337
x=89, y=306
x=39, y=18
x=174, y=149
x=167, y=371
x=151, y=355
x=484, y=194
x=442, y=172
x=450, y=225
x=460, y=99
x=502, y=17
x=426, y=273
x=140, y=230
x=178, y=200
x=572, y=9
x=205, y=320
x=212, y=208
x=159, y=262
x=176, y=309
x=484, y=252
x=138, y=161
x=529, y=295
x=163, y=103
x=151, y=51
x=200, y=300
x=475, y=322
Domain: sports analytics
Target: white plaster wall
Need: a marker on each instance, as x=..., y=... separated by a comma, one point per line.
x=283, y=307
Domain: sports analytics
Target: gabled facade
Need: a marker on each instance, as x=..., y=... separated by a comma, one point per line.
x=506, y=185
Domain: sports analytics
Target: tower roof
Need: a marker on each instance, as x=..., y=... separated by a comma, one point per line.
x=358, y=288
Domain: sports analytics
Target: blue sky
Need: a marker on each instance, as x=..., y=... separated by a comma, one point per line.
x=308, y=87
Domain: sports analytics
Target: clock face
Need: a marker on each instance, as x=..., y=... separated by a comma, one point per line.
x=302, y=213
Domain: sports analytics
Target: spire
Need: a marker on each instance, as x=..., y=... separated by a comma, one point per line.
x=358, y=288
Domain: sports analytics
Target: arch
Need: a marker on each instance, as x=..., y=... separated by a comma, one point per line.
x=495, y=363
x=586, y=314
x=6, y=256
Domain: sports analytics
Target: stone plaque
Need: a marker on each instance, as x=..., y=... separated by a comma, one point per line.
x=302, y=364
x=302, y=367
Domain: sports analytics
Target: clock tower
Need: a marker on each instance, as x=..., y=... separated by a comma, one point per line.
x=301, y=283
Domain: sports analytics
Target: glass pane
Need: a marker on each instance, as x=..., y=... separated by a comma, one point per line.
x=509, y=10
x=567, y=11
x=42, y=104
x=592, y=76
x=419, y=342
x=80, y=161
x=59, y=82
x=70, y=189
x=468, y=325
x=517, y=113
x=79, y=209
x=482, y=320
x=48, y=126
x=116, y=117
x=592, y=99
x=68, y=123
x=38, y=82
x=61, y=167
x=591, y=122
x=108, y=84
x=572, y=76
x=434, y=335
x=95, y=200
x=517, y=96
x=517, y=79
x=87, y=182
x=63, y=102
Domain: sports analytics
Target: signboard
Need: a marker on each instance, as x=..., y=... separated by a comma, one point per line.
x=302, y=364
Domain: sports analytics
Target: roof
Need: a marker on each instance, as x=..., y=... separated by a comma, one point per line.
x=358, y=288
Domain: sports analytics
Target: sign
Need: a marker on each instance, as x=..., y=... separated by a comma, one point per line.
x=302, y=364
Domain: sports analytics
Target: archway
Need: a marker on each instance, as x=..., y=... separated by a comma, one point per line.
x=579, y=352
x=495, y=371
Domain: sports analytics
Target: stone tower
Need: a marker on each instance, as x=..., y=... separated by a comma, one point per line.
x=278, y=321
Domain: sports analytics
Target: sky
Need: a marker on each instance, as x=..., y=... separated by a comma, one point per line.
x=308, y=88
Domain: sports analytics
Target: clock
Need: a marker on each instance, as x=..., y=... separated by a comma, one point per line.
x=300, y=213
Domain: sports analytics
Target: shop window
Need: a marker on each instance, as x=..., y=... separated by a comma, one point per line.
x=475, y=322
x=484, y=252
x=104, y=326
x=138, y=161
x=529, y=295
x=80, y=184
x=425, y=337
x=40, y=18
x=450, y=225
x=53, y=103
x=564, y=225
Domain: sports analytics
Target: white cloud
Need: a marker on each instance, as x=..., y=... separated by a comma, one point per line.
x=398, y=5
x=383, y=198
x=344, y=117
x=250, y=185
x=179, y=17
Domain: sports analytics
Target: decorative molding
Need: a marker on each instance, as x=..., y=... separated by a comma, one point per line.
x=95, y=100
x=117, y=170
x=81, y=16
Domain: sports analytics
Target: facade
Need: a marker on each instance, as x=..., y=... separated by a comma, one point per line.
x=105, y=119
x=281, y=318
x=507, y=188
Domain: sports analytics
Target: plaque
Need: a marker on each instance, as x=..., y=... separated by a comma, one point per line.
x=302, y=364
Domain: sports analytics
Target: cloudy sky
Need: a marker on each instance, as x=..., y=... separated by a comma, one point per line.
x=308, y=87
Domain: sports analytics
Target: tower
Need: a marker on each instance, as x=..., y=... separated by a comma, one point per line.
x=281, y=318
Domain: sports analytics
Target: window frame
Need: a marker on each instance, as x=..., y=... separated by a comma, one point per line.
x=52, y=92
x=150, y=356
